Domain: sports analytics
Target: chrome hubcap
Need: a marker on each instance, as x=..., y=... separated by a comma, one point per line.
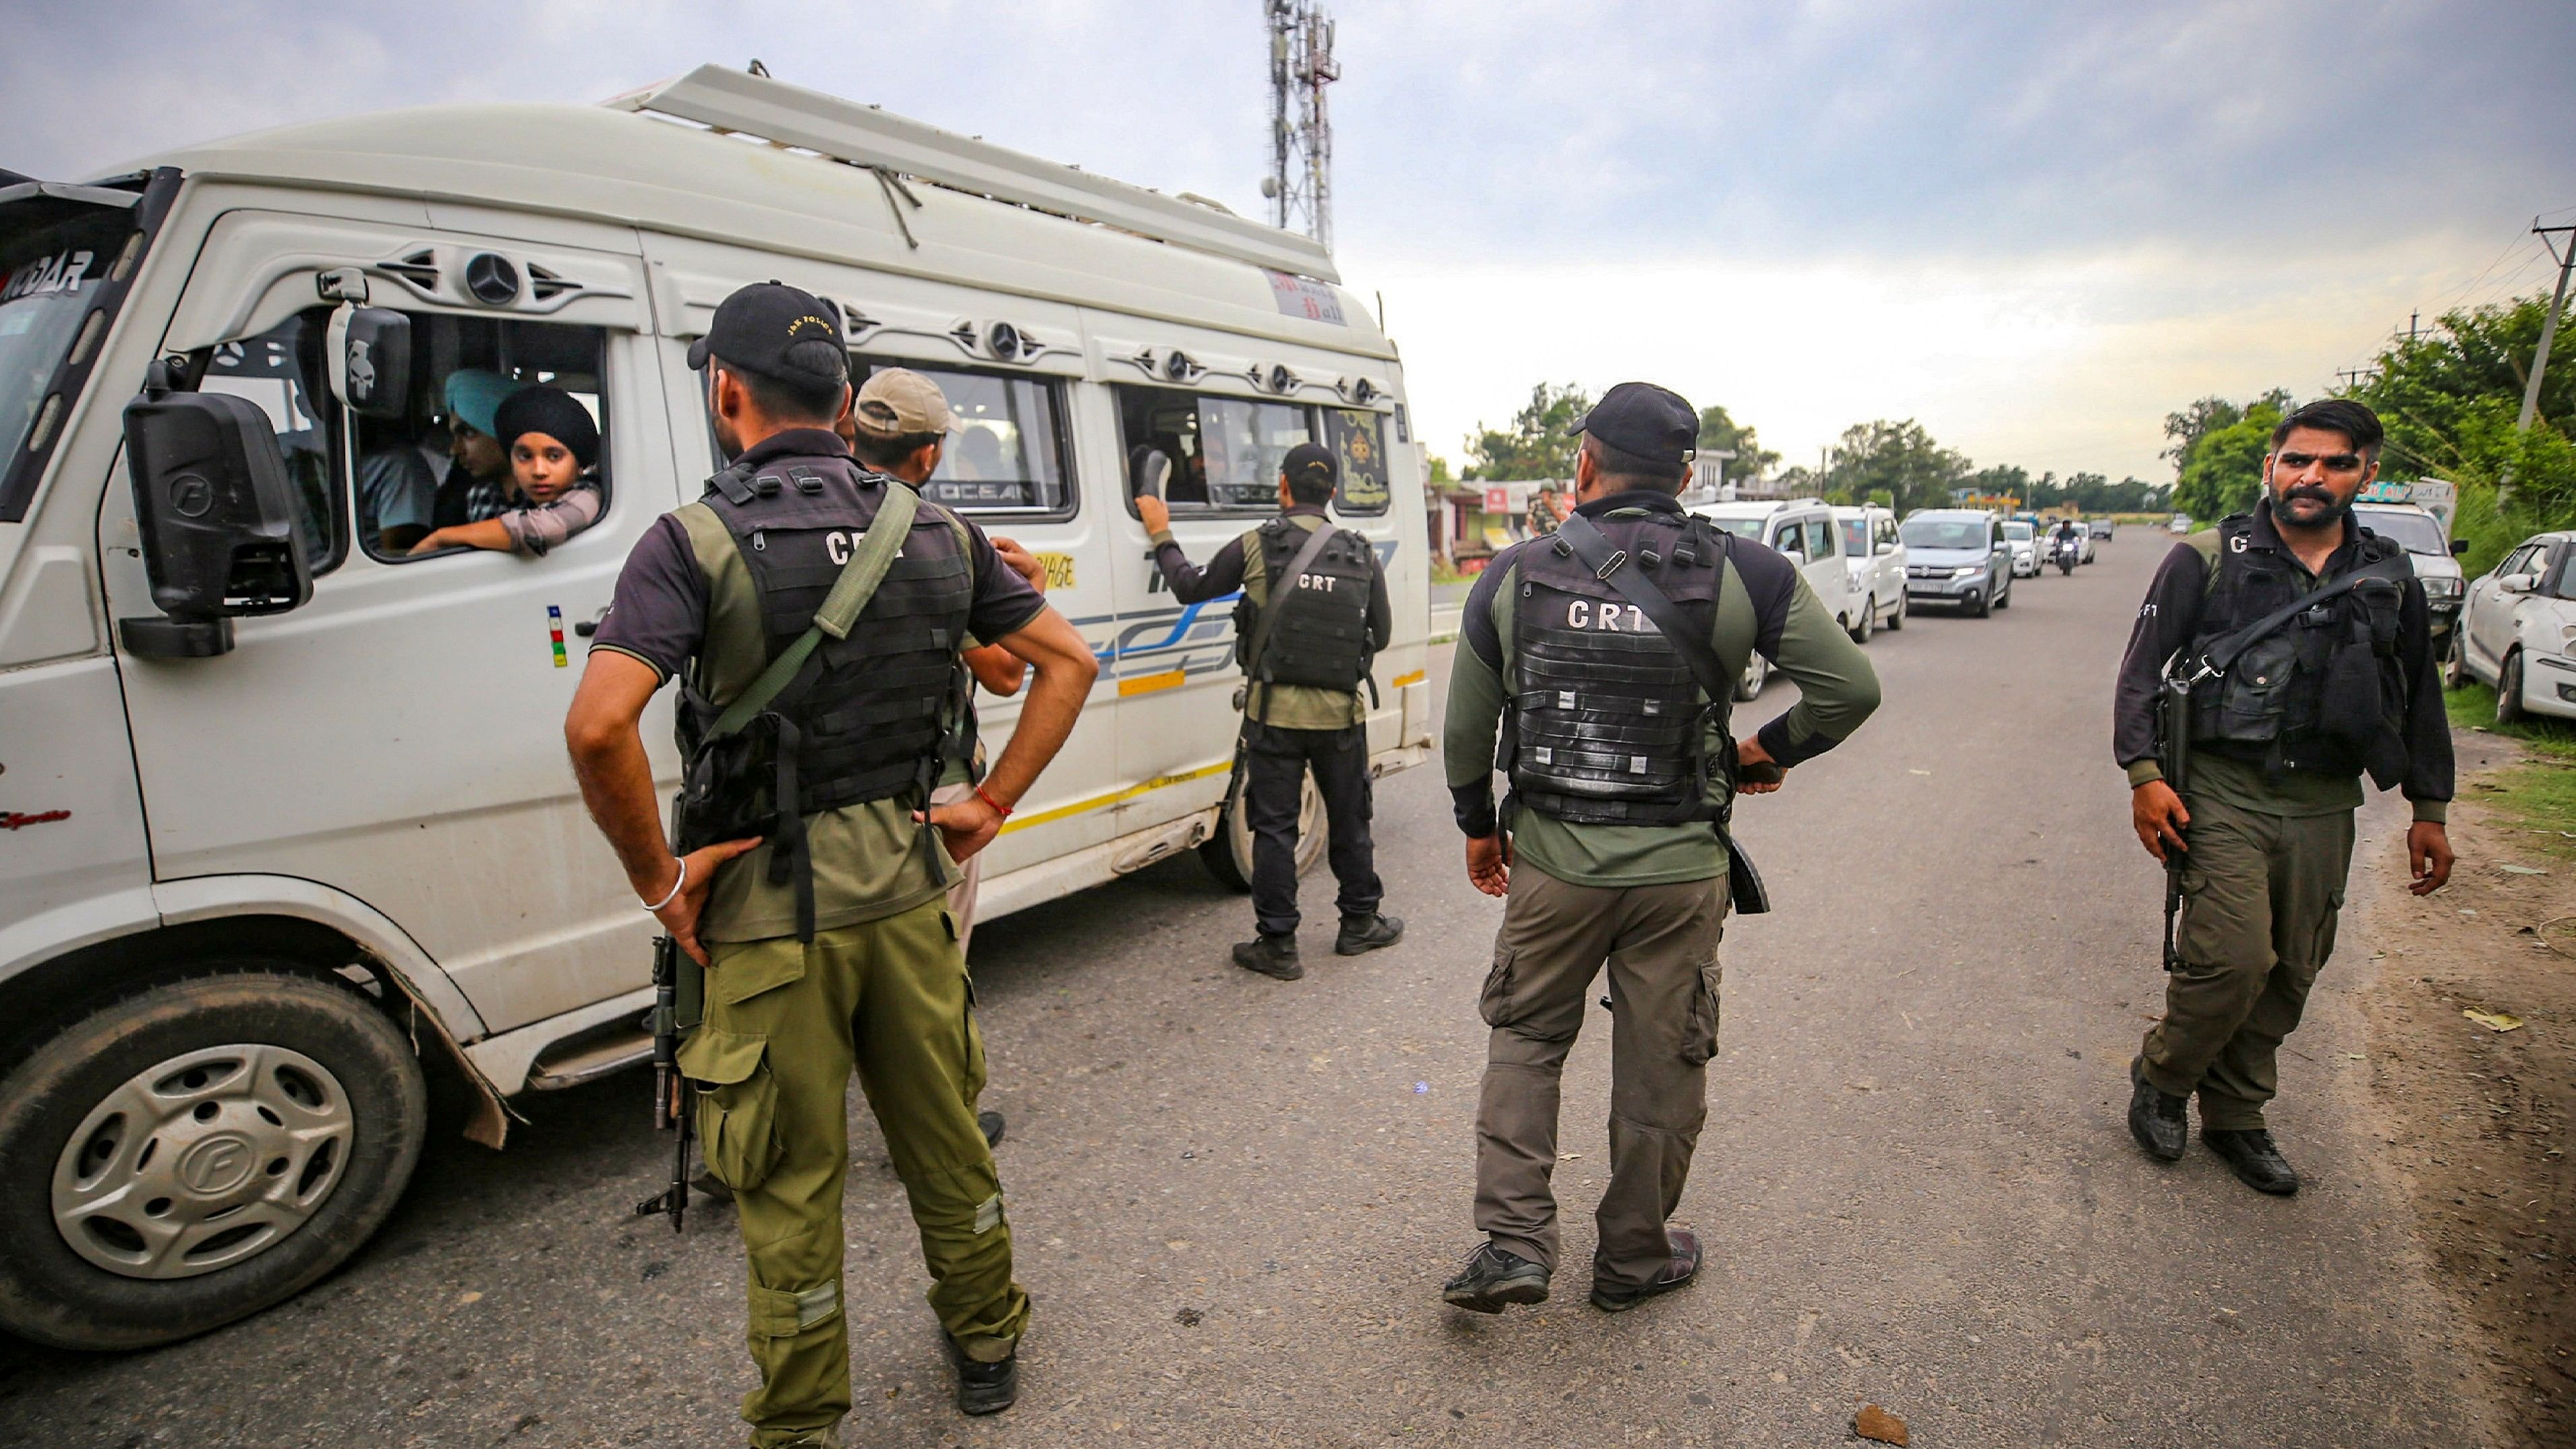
x=200, y=1162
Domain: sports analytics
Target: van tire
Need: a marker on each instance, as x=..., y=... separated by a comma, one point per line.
x=1756, y=675
x=1896, y=616
x=53, y=1294
x=1868, y=623
x=2455, y=668
x=1228, y=853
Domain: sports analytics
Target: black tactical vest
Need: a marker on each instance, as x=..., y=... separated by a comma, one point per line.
x=1604, y=723
x=1320, y=634
x=2324, y=693
x=872, y=712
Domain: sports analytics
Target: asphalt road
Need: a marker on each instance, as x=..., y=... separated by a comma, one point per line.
x=1235, y=1199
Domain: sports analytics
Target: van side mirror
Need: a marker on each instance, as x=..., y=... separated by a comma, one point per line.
x=2518, y=583
x=1885, y=546
x=2459, y=546
x=217, y=517
x=370, y=353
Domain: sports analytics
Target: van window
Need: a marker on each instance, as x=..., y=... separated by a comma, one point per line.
x=1820, y=538
x=1224, y=453
x=432, y=467
x=281, y=371
x=1007, y=452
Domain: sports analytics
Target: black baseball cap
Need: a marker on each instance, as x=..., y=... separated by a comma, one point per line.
x=771, y=328
x=1652, y=422
x=1311, y=463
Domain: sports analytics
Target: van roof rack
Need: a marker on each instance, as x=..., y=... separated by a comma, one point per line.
x=734, y=101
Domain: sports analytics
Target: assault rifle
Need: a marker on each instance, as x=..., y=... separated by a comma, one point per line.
x=670, y=1089
x=2173, y=756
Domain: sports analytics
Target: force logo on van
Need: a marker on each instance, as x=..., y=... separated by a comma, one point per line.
x=61, y=272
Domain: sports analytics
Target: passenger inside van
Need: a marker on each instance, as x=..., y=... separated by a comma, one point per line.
x=553, y=447
x=398, y=483
x=477, y=485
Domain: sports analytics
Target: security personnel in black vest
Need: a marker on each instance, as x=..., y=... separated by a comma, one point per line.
x=1609, y=850
x=2279, y=740
x=1316, y=611
x=826, y=940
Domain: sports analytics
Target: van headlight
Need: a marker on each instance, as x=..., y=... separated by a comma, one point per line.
x=1967, y=571
x=2443, y=588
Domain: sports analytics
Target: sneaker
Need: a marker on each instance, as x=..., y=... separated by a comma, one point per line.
x=2155, y=1116
x=991, y=1123
x=1274, y=956
x=1683, y=1267
x=2257, y=1163
x=1494, y=1278
x=1367, y=933
x=983, y=1388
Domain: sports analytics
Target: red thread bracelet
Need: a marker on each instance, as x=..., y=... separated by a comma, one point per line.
x=998, y=807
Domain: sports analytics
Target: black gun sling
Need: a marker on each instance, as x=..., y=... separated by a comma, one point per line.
x=1610, y=565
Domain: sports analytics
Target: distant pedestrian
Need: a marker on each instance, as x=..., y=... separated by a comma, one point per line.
x=1606, y=656
x=2301, y=702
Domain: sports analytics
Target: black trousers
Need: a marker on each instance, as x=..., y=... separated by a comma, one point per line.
x=1275, y=765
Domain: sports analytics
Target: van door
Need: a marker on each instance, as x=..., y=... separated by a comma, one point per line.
x=400, y=737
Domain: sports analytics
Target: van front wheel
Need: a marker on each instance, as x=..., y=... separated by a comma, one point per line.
x=1228, y=853
x=197, y=1152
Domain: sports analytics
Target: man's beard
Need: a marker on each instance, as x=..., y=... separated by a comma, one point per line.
x=2335, y=508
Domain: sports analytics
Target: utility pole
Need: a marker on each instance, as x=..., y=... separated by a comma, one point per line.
x=1300, y=183
x=2548, y=334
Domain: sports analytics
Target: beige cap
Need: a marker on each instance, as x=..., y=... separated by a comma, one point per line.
x=899, y=401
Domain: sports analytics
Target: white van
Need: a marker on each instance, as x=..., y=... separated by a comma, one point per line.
x=1803, y=530
x=1876, y=558
x=287, y=811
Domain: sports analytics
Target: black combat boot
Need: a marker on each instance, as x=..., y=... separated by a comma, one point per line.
x=1367, y=933
x=991, y=1125
x=1270, y=955
x=1494, y=1278
x=2155, y=1116
x=2257, y=1163
x=983, y=1388
x=1683, y=1267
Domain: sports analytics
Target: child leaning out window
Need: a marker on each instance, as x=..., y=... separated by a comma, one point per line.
x=554, y=448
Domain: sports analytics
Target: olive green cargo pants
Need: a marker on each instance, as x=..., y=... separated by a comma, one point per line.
x=785, y=1024
x=2260, y=897
x=1660, y=944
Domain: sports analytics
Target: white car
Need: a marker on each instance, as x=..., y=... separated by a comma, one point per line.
x=1802, y=529
x=2025, y=548
x=2518, y=631
x=1876, y=558
x=2430, y=549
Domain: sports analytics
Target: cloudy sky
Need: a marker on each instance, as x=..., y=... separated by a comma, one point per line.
x=2036, y=228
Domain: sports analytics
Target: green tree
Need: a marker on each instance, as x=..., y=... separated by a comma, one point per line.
x=1999, y=480
x=2207, y=416
x=2222, y=466
x=1439, y=471
x=1898, y=459
x=2449, y=398
x=1721, y=433
x=1540, y=443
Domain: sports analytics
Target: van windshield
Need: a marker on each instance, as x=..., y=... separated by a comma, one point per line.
x=53, y=256
x=1944, y=533
x=2017, y=532
x=1741, y=527
x=1856, y=537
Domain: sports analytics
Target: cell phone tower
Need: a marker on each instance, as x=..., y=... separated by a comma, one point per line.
x=1300, y=184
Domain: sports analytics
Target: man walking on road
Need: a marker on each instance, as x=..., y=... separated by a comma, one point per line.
x=2289, y=707
x=1611, y=691
x=810, y=880
x=1314, y=614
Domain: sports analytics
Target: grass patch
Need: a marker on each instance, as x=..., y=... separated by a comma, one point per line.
x=2472, y=706
x=2537, y=795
